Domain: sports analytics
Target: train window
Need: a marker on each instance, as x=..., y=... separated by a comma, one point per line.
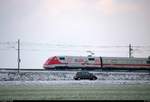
x=76, y=60
x=148, y=61
x=91, y=59
x=62, y=58
x=113, y=61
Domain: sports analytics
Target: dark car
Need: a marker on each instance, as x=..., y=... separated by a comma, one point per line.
x=84, y=75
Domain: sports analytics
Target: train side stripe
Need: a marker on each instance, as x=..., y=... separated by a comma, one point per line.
x=138, y=65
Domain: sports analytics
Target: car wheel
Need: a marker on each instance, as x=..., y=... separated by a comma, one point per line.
x=76, y=78
x=94, y=78
x=91, y=78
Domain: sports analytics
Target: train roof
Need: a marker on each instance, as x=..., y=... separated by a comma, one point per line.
x=106, y=57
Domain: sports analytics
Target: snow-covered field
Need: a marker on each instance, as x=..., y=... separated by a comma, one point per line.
x=57, y=85
x=72, y=82
x=74, y=90
x=68, y=75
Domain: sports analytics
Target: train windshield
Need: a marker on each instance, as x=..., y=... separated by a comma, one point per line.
x=62, y=58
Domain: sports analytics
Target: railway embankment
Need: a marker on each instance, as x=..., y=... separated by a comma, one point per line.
x=68, y=75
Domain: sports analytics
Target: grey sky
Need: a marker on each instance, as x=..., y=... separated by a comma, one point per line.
x=76, y=22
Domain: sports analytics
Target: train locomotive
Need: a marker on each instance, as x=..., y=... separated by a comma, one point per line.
x=91, y=62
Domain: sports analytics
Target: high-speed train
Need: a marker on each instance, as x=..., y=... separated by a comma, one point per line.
x=91, y=62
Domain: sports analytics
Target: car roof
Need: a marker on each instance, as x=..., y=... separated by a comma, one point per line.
x=83, y=72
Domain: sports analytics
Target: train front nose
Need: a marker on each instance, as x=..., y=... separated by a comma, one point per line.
x=46, y=63
x=45, y=66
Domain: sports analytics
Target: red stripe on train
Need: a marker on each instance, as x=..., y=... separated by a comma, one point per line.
x=138, y=65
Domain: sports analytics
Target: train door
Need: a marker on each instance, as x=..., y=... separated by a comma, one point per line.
x=94, y=62
x=91, y=61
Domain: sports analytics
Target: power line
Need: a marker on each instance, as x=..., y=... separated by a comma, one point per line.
x=67, y=45
x=38, y=46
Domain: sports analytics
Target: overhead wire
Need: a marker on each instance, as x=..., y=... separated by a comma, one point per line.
x=38, y=46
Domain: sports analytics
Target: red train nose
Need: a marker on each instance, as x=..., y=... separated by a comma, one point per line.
x=53, y=60
x=50, y=62
x=46, y=63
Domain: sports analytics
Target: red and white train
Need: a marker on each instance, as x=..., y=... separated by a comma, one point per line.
x=90, y=62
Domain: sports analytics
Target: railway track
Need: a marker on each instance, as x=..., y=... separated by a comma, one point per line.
x=94, y=70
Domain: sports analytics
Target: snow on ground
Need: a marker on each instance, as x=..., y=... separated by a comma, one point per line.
x=66, y=77
x=72, y=82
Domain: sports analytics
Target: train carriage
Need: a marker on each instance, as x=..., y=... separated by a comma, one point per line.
x=124, y=62
x=72, y=62
x=91, y=62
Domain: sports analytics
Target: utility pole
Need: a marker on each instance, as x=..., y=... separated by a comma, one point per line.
x=130, y=51
x=19, y=60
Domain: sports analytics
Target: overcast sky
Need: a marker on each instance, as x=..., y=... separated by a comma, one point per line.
x=74, y=22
